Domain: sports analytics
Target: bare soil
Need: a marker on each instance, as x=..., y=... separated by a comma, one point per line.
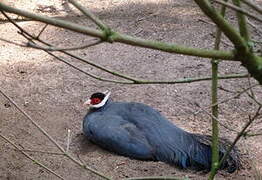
x=52, y=93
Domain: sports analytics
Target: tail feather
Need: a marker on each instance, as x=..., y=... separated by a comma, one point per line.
x=232, y=162
x=187, y=150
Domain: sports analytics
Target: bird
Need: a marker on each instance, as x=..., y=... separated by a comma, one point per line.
x=138, y=131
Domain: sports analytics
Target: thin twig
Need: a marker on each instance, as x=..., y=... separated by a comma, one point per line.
x=257, y=29
x=253, y=135
x=212, y=116
x=12, y=42
x=89, y=74
x=52, y=140
x=51, y=48
x=224, y=25
x=223, y=41
x=235, y=96
x=252, y=94
x=156, y=178
x=259, y=42
x=2, y=21
x=182, y=80
x=30, y=157
x=89, y=62
x=87, y=13
x=242, y=23
x=29, y=37
x=254, y=99
x=242, y=133
x=32, y=121
x=231, y=6
x=251, y=89
x=253, y=5
x=226, y=90
x=230, y=98
x=134, y=80
x=123, y=38
x=42, y=30
x=39, y=151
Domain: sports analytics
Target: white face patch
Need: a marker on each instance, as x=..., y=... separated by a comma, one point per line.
x=103, y=102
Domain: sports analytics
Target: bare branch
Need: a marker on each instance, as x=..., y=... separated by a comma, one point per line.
x=257, y=29
x=118, y=37
x=133, y=80
x=183, y=80
x=89, y=74
x=39, y=151
x=51, y=139
x=231, y=6
x=226, y=90
x=223, y=41
x=230, y=98
x=242, y=133
x=51, y=48
x=28, y=36
x=253, y=5
x=253, y=135
x=156, y=178
x=252, y=94
x=15, y=19
x=225, y=27
x=87, y=13
x=12, y=42
x=42, y=30
x=242, y=23
x=212, y=116
x=30, y=157
x=32, y=121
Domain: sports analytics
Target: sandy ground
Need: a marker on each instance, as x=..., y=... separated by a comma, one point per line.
x=52, y=92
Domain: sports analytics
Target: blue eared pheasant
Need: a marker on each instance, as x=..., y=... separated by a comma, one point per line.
x=138, y=131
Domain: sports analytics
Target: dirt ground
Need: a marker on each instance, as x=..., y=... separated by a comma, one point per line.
x=52, y=93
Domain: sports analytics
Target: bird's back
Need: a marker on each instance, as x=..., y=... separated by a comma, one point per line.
x=137, y=130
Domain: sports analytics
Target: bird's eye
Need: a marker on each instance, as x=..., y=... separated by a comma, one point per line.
x=95, y=101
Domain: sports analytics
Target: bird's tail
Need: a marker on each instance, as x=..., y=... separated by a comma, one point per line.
x=232, y=162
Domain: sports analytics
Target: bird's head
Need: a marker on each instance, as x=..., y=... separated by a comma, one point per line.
x=98, y=100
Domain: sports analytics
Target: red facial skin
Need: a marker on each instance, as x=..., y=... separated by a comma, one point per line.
x=95, y=101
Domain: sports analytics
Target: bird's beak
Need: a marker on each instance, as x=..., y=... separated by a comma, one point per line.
x=87, y=103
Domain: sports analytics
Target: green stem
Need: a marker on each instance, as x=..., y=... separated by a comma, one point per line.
x=172, y=48
x=215, y=128
x=118, y=37
x=242, y=24
x=28, y=36
x=84, y=10
x=225, y=27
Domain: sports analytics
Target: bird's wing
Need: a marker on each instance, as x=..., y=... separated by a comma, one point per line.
x=117, y=135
